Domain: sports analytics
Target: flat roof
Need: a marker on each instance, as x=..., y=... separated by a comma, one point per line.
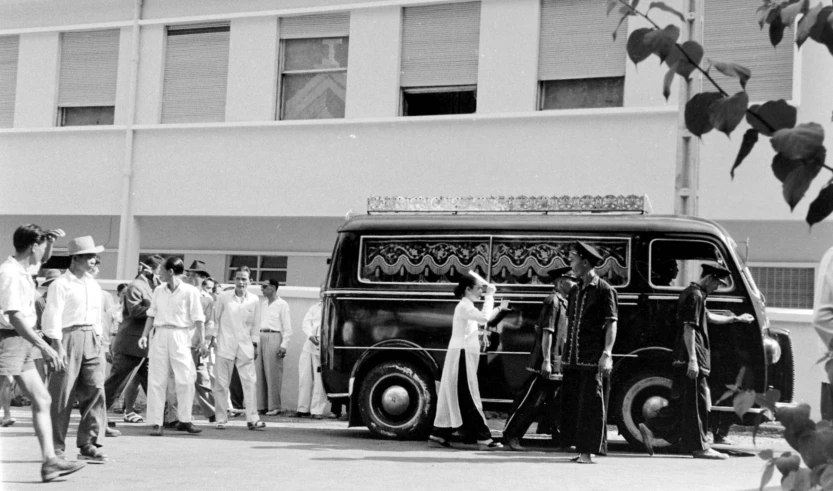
x=501, y=223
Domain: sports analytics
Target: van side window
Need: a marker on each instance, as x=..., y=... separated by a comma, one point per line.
x=422, y=259
x=529, y=260
x=674, y=264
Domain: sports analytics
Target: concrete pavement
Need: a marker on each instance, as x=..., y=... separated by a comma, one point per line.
x=302, y=454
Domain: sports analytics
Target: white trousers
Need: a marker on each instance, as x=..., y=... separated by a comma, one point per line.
x=222, y=379
x=311, y=395
x=170, y=351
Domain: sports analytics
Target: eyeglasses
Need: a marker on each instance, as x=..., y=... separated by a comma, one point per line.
x=263, y=287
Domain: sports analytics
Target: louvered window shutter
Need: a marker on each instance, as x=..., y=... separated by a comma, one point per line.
x=576, y=41
x=315, y=26
x=8, y=78
x=440, y=45
x=89, y=68
x=731, y=34
x=196, y=74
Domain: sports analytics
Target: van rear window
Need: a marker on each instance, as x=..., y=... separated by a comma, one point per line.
x=422, y=259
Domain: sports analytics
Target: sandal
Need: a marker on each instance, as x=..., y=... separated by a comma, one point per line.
x=7, y=422
x=133, y=418
x=220, y=426
x=257, y=425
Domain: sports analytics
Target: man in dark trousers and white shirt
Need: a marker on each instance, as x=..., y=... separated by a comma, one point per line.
x=127, y=355
x=72, y=320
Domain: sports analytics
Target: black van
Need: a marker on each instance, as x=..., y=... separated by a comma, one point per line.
x=388, y=308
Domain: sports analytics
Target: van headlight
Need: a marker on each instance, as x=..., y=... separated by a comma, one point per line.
x=772, y=350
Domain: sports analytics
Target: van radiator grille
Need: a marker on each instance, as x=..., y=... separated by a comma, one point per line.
x=787, y=288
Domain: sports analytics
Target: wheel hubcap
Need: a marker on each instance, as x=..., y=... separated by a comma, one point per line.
x=652, y=406
x=395, y=400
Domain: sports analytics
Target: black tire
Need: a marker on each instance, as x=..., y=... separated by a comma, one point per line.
x=633, y=402
x=415, y=418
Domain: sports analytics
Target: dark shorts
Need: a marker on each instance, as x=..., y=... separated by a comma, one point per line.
x=15, y=353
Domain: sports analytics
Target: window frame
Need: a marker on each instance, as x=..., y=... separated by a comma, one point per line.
x=722, y=258
x=542, y=95
x=62, y=116
x=279, y=100
x=256, y=270
x=435, y=90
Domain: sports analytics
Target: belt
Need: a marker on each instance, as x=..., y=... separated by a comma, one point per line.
x=269, y=330
x=168, y=326
x=79, y=327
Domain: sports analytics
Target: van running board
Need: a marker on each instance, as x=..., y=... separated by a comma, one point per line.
x=754, y=410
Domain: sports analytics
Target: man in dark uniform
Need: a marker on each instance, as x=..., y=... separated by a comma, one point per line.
x=592, y=313
x=685, y=419
x=545, y=361
x=126, y=352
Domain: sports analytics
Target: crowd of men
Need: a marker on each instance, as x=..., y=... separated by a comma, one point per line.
x=172, y=333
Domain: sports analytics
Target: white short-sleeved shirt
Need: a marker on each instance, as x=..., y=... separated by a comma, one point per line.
x=17, y=293
x=71, y=301
x=179, y=308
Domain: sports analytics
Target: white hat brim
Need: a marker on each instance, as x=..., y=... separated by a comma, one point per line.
x=94, y=250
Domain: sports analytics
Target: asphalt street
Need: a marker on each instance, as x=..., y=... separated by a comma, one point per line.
x=303, y=454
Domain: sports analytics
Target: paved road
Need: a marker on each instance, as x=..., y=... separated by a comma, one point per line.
x=296, y=454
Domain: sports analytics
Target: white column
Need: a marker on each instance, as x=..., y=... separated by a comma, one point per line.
x=123, y=80
x=130, y=240
x=36, y=100
x=507, y=75
x=253, y=69
x=812, y=94
x=374, y=63
x=151, y=74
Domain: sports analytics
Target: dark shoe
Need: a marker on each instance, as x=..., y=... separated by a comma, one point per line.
x=317, y=416
x=91, y=453
x=302, y=415
x=189, y=427
x=57, y=467
x=171, y=424
x=722, y=440
x=111, y=432
x=257, y=425
x=647, y=438
x=490, y=446
x=212, y=419
x=157, y=431
x=435, y=441
x=514, y=444
x=261, y=412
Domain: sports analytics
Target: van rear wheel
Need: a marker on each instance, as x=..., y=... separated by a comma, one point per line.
x=396, y=400
x=638, y=401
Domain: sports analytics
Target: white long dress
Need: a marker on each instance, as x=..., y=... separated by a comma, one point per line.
x=463, y=337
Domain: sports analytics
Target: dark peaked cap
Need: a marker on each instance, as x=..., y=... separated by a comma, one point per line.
x=717, y=270
x=563, y=272
x=586, y=251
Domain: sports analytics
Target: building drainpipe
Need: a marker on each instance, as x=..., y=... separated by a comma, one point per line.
x=127, y=265
x=687, y=183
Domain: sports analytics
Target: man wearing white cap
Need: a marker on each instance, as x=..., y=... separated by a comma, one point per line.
x=72, y=320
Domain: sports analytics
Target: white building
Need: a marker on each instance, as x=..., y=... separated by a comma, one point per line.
x=248, y=129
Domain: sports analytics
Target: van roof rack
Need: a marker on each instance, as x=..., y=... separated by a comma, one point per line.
x=510, y=204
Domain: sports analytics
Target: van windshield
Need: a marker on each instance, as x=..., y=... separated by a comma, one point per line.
x=740, y=256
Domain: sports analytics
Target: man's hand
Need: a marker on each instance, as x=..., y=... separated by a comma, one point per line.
x=143, y=342
x=693, y=369
x=746, y=318
x=281, y=352
x=490, y=289
x=52, y=358
x=51, y=235
x=546, y=369
x=313, y=340
x=202, y=349
x=605, y=364
x=255, y=347
x=109, y=357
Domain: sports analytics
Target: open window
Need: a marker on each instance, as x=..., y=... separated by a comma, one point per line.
x=676, y=263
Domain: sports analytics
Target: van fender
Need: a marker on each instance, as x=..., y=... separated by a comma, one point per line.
x=656, y=357
x=379, y=352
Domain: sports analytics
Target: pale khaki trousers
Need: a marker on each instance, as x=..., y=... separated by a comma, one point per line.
x=269, y=371
x=222, y=378
x=311, y=395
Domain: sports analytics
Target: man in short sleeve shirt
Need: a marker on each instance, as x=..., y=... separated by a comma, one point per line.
x=591, y=333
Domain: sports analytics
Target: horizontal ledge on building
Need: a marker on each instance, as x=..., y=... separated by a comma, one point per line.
x=802, y=316
x=65, y=129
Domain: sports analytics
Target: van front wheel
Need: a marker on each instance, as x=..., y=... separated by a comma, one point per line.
x=396, y=400
x=638, y=401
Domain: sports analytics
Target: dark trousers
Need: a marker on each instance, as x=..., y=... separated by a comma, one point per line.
x=474, y=426
x=686, y=418
x=537, y=395
x=123, y=366
x=584, y=396
x=236, y=390
x=82, y=379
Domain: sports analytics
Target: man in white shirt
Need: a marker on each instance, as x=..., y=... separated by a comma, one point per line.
x=823, y=324
x=18, y=338
x=312, y=398
x=237, y=338
x=174, y=309
x=72, y=320
x=275, y=329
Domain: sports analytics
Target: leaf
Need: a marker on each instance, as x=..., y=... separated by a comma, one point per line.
x=818, y=29
x=733, y=70
x=763, y=14
x=787, y=482
x=637, y=49
x=767, y=476
x=806, y=23
x=670, y=10
x=666, y=84
x=611, y=4
x=726, y=395
x=687, y=58
x=743, y=401
x=799, y=142
x=739, y=378
x=790, y=12
x=766, y=454
x=696, y=115
x=783, y=167
x=773, y=396
x=619, y=25
x=776, y=30
x=777, y=115
x=662, y=41
x=726, y=113
x=822, y=206
x=750, y=138
x=797, y=183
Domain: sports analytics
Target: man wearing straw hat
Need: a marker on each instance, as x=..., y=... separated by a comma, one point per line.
x=72, y=320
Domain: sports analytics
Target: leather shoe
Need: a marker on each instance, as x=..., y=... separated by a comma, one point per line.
x=189, y=427
x=514, y=444
x=111, y=432
x=91, y=453
x=171, y=424
x=57, y=467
